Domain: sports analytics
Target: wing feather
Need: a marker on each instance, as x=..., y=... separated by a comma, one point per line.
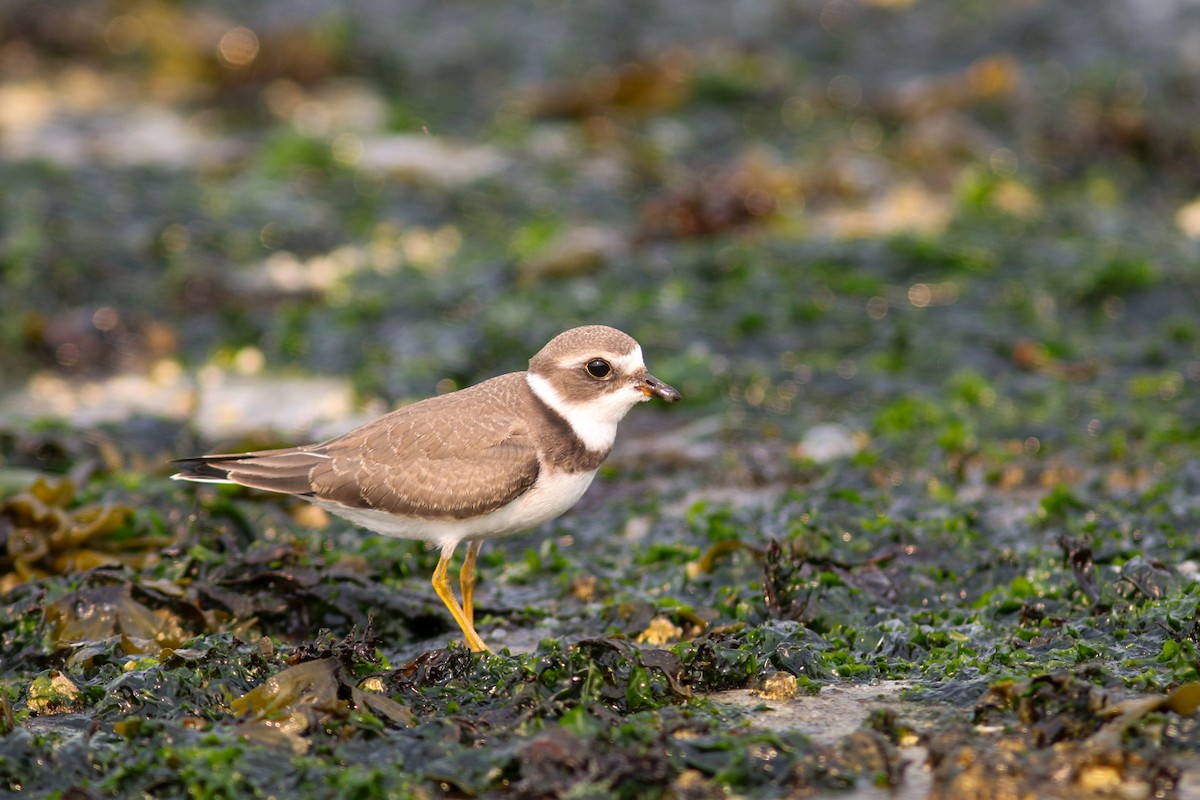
x=452, y=456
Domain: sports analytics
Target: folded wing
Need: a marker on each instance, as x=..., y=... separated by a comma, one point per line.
x=429, y=459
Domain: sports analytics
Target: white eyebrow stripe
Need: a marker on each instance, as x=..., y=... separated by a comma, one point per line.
x=629, y=362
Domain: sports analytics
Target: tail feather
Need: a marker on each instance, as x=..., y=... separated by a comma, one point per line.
x=200, y=470
x=286, y=471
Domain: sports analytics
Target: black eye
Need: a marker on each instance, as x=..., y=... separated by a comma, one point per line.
x=598, y=368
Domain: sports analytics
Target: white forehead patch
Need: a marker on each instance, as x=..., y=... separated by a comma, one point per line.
x=631, y=362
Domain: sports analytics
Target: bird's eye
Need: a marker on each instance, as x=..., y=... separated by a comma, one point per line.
x=598, y=368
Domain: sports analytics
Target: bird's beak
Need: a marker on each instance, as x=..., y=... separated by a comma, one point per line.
x=653, y=387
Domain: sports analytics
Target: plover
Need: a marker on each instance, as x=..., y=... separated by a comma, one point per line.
x=496, y=458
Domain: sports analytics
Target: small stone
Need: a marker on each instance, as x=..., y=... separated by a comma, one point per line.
x=777, y=686
x=660, y=631
x=52, y=694
x=824, y=443
x=311, y=516
x=585, y=587
x=428, y=159
x=374, y=683
x=576, y=251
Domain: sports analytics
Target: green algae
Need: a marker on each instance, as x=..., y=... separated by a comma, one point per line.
x=1014, y=533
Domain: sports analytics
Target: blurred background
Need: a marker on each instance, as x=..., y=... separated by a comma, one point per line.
x=805, y=210
x=926, y=273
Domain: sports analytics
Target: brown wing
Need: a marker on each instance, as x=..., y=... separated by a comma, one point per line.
x=453, y=456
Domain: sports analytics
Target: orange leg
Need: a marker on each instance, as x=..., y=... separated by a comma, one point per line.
x=466, y=580
x=441, y=585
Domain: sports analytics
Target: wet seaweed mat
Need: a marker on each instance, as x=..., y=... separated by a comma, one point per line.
x=925, y=273
x=124, y=679
x=601, y=713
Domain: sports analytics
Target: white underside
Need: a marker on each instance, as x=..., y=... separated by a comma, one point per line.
x=550, y=496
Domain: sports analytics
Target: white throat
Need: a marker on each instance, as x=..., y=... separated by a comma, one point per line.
x=594, y=422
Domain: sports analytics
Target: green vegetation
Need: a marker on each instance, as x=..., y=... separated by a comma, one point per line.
x=933, y=316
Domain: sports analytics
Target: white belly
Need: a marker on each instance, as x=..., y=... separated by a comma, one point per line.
x=549, y=497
